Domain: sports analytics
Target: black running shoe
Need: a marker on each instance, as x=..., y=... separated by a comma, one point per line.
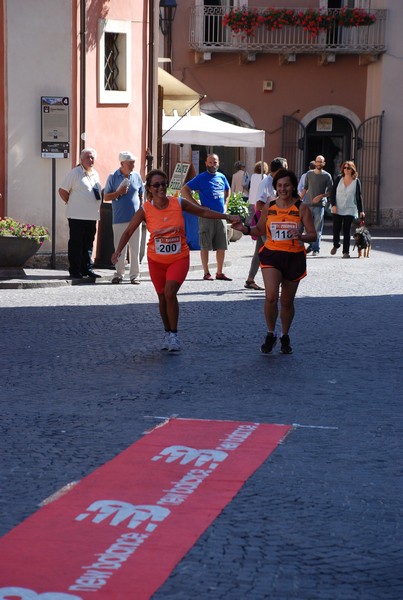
x=285, y=344
x=269, y=343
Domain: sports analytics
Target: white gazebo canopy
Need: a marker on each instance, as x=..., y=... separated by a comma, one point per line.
x=205, y=130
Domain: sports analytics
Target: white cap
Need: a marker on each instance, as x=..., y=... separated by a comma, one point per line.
x=126, y=155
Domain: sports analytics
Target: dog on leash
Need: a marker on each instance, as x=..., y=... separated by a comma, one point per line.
x=362, y=239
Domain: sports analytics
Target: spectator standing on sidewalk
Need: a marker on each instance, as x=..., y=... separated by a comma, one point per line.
x=346, y=204
x=303, y=176
x=265, y=190
x=317, y=187
x=240, y=181
x=124, y=188
x=283, y=257
x=255, y=181
x=167, y=250
x=81, y=192
x=214, y=191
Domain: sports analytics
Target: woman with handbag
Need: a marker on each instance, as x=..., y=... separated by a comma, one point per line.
x=346, y=202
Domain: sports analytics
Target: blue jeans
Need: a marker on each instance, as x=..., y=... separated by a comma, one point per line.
x=318, y=215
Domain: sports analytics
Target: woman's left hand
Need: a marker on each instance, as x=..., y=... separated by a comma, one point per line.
x=234, y=219
x=115, y=257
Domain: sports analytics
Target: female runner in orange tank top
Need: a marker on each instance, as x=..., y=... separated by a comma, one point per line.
x=167, y=250
x=288, y=223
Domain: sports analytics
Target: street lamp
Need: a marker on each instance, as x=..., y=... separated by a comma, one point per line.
x=167, y=15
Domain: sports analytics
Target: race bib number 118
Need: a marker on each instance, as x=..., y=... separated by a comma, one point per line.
x=282, y=232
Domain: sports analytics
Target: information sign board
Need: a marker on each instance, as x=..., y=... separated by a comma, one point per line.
x=55, y=141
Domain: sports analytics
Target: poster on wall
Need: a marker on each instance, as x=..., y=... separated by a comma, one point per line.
x=55, y=142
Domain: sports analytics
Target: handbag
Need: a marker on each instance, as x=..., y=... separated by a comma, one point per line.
x=254, y=221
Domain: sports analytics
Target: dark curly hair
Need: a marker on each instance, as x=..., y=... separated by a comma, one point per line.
x=293, y=178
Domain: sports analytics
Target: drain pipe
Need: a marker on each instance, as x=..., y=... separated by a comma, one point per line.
x=83, y=73
x=151, y=77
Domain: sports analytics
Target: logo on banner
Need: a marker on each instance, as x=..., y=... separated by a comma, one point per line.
x=187, y=455
x=18, y=593
x=122, y=511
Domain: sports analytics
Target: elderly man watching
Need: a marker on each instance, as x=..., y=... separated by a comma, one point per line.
x=124, y=188
x=81, y=192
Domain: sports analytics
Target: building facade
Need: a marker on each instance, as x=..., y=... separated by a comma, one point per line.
x=314, y=88
x=93, y=54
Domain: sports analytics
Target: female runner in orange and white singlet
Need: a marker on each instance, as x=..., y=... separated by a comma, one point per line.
x=167, y=250
x=283, y=256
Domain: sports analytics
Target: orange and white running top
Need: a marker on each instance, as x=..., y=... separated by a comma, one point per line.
x=167, y=231
x=280, y=222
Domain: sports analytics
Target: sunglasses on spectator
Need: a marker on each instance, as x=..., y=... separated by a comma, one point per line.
x=349, y=168
x=158, y=185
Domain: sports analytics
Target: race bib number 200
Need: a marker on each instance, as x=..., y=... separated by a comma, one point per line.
x=168, y=245
x=282, y=232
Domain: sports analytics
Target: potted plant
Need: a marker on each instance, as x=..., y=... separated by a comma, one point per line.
x=18, y=242
x=236, y=205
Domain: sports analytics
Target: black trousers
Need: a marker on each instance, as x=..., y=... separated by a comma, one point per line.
x=82, y=234
x=345, y=222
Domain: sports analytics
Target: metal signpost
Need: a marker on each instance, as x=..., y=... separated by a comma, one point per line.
x=55, y=143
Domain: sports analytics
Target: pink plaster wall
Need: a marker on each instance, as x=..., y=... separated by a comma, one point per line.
x=112, y=128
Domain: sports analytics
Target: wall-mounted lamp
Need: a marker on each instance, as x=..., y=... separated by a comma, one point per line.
x=167, y=15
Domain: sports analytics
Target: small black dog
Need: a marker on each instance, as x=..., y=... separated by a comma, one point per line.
x=362, y=239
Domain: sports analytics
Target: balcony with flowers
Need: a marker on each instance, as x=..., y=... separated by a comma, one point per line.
x=287, y=31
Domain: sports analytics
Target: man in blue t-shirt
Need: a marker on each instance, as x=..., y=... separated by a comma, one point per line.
x=214, y=191
x=124, y=188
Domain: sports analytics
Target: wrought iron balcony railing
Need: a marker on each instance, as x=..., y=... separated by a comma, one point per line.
x=208, y=35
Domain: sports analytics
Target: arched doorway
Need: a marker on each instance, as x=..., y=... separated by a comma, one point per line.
x=337, y=137
x=332, y=136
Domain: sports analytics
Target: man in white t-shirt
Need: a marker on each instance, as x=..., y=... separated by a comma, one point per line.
x=266, y=191
x=81, y=192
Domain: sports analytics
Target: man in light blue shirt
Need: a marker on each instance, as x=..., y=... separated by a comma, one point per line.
x=124, y=188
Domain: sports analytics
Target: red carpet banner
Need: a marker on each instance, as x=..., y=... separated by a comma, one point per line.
x=119, y=533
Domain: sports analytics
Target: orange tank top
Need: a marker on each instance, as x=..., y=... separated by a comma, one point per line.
x=279, y=223
x=167, y=241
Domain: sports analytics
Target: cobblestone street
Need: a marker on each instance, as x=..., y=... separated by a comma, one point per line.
x=82, y=377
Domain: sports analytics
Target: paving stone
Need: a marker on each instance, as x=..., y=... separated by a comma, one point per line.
x=83, y=378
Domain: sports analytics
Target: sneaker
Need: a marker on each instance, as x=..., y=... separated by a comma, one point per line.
x=135, y=281
x=269, y=343
x=333, y=250
x=207, y=277
x=222, y=277
x=116, y=279
x=346, y=255
x=165, y=340
x=285, y=344
x=315, y=253
x=309, y=249
x=174, y=344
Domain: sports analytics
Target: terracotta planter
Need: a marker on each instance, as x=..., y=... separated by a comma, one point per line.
x=14, y=253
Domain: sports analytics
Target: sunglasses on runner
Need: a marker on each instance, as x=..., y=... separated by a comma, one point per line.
x=157, y=185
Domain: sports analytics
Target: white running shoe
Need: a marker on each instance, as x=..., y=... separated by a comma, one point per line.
x=165, y=341
x=174, y=344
